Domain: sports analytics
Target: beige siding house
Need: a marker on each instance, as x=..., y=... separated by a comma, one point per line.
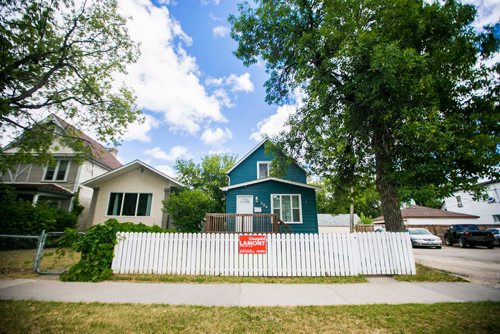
x=132, y=193
x=59, y=183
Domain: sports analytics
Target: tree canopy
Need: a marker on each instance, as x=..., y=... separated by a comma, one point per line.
x=61, y=56
x=209, y=176
x=399, y=90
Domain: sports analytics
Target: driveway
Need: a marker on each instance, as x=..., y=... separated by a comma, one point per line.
x=478, y=265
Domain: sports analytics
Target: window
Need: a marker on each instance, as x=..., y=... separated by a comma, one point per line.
x=459, y=201
x=287, y=208
x=129, y=204
x=263, y=169
x=57, y=172
x=496, y=218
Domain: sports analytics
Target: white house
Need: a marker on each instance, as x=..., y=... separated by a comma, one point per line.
x=487, y=209
x=421, y=215
x=328, y=223
x=131, y=193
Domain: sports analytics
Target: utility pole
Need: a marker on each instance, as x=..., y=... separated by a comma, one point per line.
x=351, y=212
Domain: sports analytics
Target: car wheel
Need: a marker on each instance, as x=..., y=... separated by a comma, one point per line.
x=448, y=242
x=438, y=247
x=463, y=243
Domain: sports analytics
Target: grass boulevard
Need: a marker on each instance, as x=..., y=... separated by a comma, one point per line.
x=54, y=317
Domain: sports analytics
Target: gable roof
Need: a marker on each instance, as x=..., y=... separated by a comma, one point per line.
x=417, y=211
x=125, y=169
x=262, y=142
x=266, y=179
x=99, y=152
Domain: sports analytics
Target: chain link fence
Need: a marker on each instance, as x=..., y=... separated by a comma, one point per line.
x=25, y=255
x=18, y=254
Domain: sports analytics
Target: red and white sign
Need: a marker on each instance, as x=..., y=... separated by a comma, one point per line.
x=252, y=244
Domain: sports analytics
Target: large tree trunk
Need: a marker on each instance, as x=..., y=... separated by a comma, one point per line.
x=388, y=195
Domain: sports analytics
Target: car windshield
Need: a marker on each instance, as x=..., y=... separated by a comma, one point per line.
x=419, y=231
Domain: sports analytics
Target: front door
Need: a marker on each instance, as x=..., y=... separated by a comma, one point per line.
x=244, y=205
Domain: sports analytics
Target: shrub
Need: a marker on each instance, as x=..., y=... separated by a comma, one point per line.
x=22, y=217
x=188, y=208
x=96, y=249
x=365, y=220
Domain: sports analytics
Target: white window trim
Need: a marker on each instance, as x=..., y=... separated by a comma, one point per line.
x=123, y=199
x=300, y=207
x=56, y=171
x=268, y=163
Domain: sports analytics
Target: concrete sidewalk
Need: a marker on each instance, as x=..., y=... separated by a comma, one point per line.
x=380, y=290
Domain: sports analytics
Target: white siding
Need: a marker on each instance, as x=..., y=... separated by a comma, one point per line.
x=334, y=229
x=134, y=181
x=88, y=170
x=439, y=221
x=480, y=208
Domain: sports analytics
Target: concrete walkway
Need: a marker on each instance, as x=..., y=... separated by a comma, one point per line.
x=380, y=290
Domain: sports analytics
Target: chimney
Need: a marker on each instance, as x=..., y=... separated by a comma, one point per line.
x=113, y=151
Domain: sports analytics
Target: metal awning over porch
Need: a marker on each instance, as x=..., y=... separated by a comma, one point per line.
x=50, y=189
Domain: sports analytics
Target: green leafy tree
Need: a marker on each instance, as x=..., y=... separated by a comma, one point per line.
x=209, y=176
x=396, y=89
x=365, y=197
x=61, y=56
x=188, y=209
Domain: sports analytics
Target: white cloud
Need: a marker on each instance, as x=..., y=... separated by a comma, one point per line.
x=488, y=12
x=240, y=83
x=220, y=31
x=176, y=152
x=223, y=98
x=274, y=124
x=216, y=137
x=206, y=2
x=167, y=169
x=166, y=78
x=139, y=130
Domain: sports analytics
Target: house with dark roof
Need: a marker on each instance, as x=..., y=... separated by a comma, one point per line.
x=58, y=183
x=253, y=194
x=421, y=215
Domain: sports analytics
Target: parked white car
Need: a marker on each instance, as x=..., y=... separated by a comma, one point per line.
x=421, y=237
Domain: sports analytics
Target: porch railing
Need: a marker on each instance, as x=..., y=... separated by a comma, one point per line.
x=244, y=223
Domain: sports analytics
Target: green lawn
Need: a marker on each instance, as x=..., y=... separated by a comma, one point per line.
x=240, y=279
x=427, y=274
x=52, y=317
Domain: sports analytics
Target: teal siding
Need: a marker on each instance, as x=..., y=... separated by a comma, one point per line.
x=247, y=170
x=262, y=198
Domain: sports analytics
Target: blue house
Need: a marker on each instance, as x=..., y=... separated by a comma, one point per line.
x=254, y=193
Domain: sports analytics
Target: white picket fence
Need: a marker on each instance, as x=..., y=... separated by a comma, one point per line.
x=287, y=254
